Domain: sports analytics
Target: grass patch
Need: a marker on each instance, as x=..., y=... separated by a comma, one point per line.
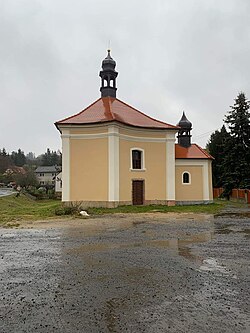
x=15, y=209
x=22, y=208
x=213, y=208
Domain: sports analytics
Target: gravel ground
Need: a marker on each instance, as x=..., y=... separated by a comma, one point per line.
x=127, y=273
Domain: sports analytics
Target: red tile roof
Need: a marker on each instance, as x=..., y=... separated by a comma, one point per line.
x=109, y=109
x=194, y=151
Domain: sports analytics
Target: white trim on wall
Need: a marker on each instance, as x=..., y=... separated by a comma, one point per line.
x=205, y=182
x=65, y=166
x=121, y=136
x=190, y=162
x=113, y=162
x=170, y=166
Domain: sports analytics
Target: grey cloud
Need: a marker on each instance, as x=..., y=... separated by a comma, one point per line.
x=171, y=55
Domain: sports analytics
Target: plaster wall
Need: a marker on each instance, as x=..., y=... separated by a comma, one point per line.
x=192, y=191
x=155, y=164
x=89, y=169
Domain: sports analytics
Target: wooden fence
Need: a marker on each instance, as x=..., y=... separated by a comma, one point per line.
x=237, y=194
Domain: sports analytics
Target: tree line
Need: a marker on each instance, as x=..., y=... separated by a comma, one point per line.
x=19, y=159
x=230, y=147
x=25, y=177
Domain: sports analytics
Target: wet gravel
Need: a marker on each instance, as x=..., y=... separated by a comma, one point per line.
x=136, y=273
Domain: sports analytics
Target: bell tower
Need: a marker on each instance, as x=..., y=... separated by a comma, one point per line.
x=184, y=133
x=108, y=77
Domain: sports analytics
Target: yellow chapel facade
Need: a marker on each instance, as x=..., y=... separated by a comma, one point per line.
x=113, y=154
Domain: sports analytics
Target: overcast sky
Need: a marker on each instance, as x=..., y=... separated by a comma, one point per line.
x=171, y=55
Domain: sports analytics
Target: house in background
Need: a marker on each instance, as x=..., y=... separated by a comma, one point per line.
x=46, y=175
x=113, y=154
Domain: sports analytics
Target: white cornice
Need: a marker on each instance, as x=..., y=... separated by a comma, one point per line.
x=191, y=162
x=121, y=136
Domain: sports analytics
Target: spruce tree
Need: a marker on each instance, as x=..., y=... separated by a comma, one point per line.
x=18, y=158
x=216, y=148
x=236, y=161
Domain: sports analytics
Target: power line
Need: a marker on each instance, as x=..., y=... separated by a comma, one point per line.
x=200, y=136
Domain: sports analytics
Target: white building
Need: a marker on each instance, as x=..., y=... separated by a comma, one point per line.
x=47, y=174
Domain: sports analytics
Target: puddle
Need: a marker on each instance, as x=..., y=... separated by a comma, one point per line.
x=227, y=230
x=178, y=246
x=224, y=231
x=246, y=233
x=144, y=235
x=241, y=215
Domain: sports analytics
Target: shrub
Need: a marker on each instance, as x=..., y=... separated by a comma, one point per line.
x=65, y=210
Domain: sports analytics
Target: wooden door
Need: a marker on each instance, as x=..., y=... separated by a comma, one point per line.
x=138, y=192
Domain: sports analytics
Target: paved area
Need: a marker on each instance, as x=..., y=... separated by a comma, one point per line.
x=6, y=191
x=127, y=273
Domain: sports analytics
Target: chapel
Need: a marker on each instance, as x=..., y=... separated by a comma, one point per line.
x=114, y=154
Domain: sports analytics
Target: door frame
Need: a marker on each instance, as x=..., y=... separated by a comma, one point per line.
x=143, y=190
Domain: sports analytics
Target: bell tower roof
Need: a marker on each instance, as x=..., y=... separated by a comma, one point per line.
x=184, y=122
x=184, y=133
x=108, y=62
x=108, y=77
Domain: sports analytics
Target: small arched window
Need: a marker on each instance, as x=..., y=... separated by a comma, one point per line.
x=136, y=159
x=186, y=178
x=105, y=81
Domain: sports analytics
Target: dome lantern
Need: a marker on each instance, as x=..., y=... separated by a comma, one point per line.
x=108, y=77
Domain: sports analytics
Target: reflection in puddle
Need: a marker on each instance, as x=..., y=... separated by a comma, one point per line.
x=147, y=236
x=241, y=215
x=212, y=265
x=178, y=246
x=246, y=232
x=225, y=230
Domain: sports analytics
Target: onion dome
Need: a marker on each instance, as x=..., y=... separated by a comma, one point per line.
x=184, y=122
x=108, y=63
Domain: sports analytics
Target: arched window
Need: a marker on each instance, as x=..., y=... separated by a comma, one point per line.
x=136, y=159
x=186, y=178
x=105, y=81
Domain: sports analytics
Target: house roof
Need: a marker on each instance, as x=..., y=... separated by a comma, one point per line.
x=15, y=170
x=107, y=109
x=44, y=169
x=194, y=151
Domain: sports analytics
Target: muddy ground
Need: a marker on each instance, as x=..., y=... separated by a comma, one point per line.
x=127, y=273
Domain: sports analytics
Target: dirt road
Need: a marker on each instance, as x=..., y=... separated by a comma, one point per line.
x=127, y=273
